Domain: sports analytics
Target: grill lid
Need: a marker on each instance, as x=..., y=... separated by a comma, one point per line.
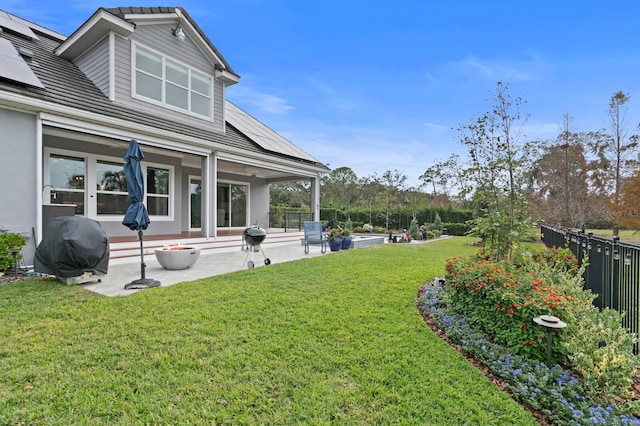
x=254, y=235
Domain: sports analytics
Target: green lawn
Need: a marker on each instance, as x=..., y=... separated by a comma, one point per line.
x=324, y=340
x=627, y=236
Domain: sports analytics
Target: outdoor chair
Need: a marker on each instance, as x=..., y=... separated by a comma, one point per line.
x=313, y=236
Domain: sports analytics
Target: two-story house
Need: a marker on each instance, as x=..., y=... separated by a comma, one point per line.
x=70, y=105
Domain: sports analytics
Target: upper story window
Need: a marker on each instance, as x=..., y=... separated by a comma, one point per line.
x=163, y=80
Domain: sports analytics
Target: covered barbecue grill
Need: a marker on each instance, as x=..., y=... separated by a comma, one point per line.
x=75, y=249
x=253, y=237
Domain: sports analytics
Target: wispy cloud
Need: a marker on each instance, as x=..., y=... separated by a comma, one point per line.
x=434, y=126
x=260, y=101
x=333, y=98
x=528, y=69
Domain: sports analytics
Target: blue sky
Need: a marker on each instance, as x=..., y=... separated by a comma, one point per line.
x=377, y=85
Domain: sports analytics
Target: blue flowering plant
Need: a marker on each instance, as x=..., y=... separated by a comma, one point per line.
x=553, y=391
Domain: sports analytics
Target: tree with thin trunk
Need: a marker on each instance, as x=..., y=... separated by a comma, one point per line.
x=498, y=173
x=616, y=151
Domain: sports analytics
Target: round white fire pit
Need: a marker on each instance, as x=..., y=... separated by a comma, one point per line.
x=177, y=257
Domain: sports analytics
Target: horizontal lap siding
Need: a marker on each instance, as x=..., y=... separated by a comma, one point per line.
x=95, y=65
x=161, y=39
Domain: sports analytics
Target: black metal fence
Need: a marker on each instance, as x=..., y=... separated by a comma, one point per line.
x=289, y=220
x=613, y=271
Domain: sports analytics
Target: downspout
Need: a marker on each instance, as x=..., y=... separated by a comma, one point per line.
x=215, y=193
x=39, y=181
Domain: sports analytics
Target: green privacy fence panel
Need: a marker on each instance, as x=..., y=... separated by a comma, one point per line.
x=613, y=271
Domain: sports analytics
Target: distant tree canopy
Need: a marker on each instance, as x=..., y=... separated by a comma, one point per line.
x=577, y=178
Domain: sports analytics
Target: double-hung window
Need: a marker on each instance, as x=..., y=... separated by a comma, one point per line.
x=163, y=80
x=111, y=188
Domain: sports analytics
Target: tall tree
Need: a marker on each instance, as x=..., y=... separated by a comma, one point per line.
x=442, y=174
x=290, y=193
x=342, y=187
x=614, y=155
x=559, y=180
x=628, y=209
x=394, y=183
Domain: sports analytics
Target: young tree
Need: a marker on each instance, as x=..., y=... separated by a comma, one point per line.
x=394, y=183
x=498, y=172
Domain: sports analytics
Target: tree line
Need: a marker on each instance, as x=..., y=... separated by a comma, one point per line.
x=578, y=178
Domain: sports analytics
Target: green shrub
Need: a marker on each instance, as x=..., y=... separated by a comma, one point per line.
x=501, y=299
x=458, y=229
x=601, y=351
x=437, y=223
x=7, y=243
x=414, y=230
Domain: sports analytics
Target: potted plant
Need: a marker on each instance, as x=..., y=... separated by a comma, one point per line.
x=334, y=239
x=346, y=239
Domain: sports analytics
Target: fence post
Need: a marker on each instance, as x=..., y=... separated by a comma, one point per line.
x=615, y=276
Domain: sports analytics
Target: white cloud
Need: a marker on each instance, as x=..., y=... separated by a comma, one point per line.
x=260, y=101
x=528, y=69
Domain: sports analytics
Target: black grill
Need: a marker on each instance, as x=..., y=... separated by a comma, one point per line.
x=253, y=236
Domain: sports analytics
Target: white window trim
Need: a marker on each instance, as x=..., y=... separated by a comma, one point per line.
x=171, y=196
x=163, y=104
x=90, y=184
x=46, y=178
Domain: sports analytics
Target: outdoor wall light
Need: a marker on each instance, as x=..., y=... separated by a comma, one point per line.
x=599, y=249
x=584, y=244
x=606, y=251
x=627, y=259
x=589, y=246
x=179, y=33
x=550, y=323
x=616, y=254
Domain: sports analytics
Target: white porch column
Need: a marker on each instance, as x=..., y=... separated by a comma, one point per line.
x=209, y=195
x=213, y=202
x=315, y=198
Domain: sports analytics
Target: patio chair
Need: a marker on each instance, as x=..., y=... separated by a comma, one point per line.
x=313, y=236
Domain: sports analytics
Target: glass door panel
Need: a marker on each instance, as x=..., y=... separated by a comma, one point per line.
x=238, y=205
x=223, y=205
x=195, y=203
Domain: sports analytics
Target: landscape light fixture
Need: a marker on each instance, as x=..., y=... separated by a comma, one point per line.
x=550, y=323
x=627, y=259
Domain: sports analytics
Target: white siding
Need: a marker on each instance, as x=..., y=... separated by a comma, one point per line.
x=95, y=65
x=161, y=39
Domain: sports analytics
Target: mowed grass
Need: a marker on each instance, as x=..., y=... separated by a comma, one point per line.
x=626, y=235
x=335, y=339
